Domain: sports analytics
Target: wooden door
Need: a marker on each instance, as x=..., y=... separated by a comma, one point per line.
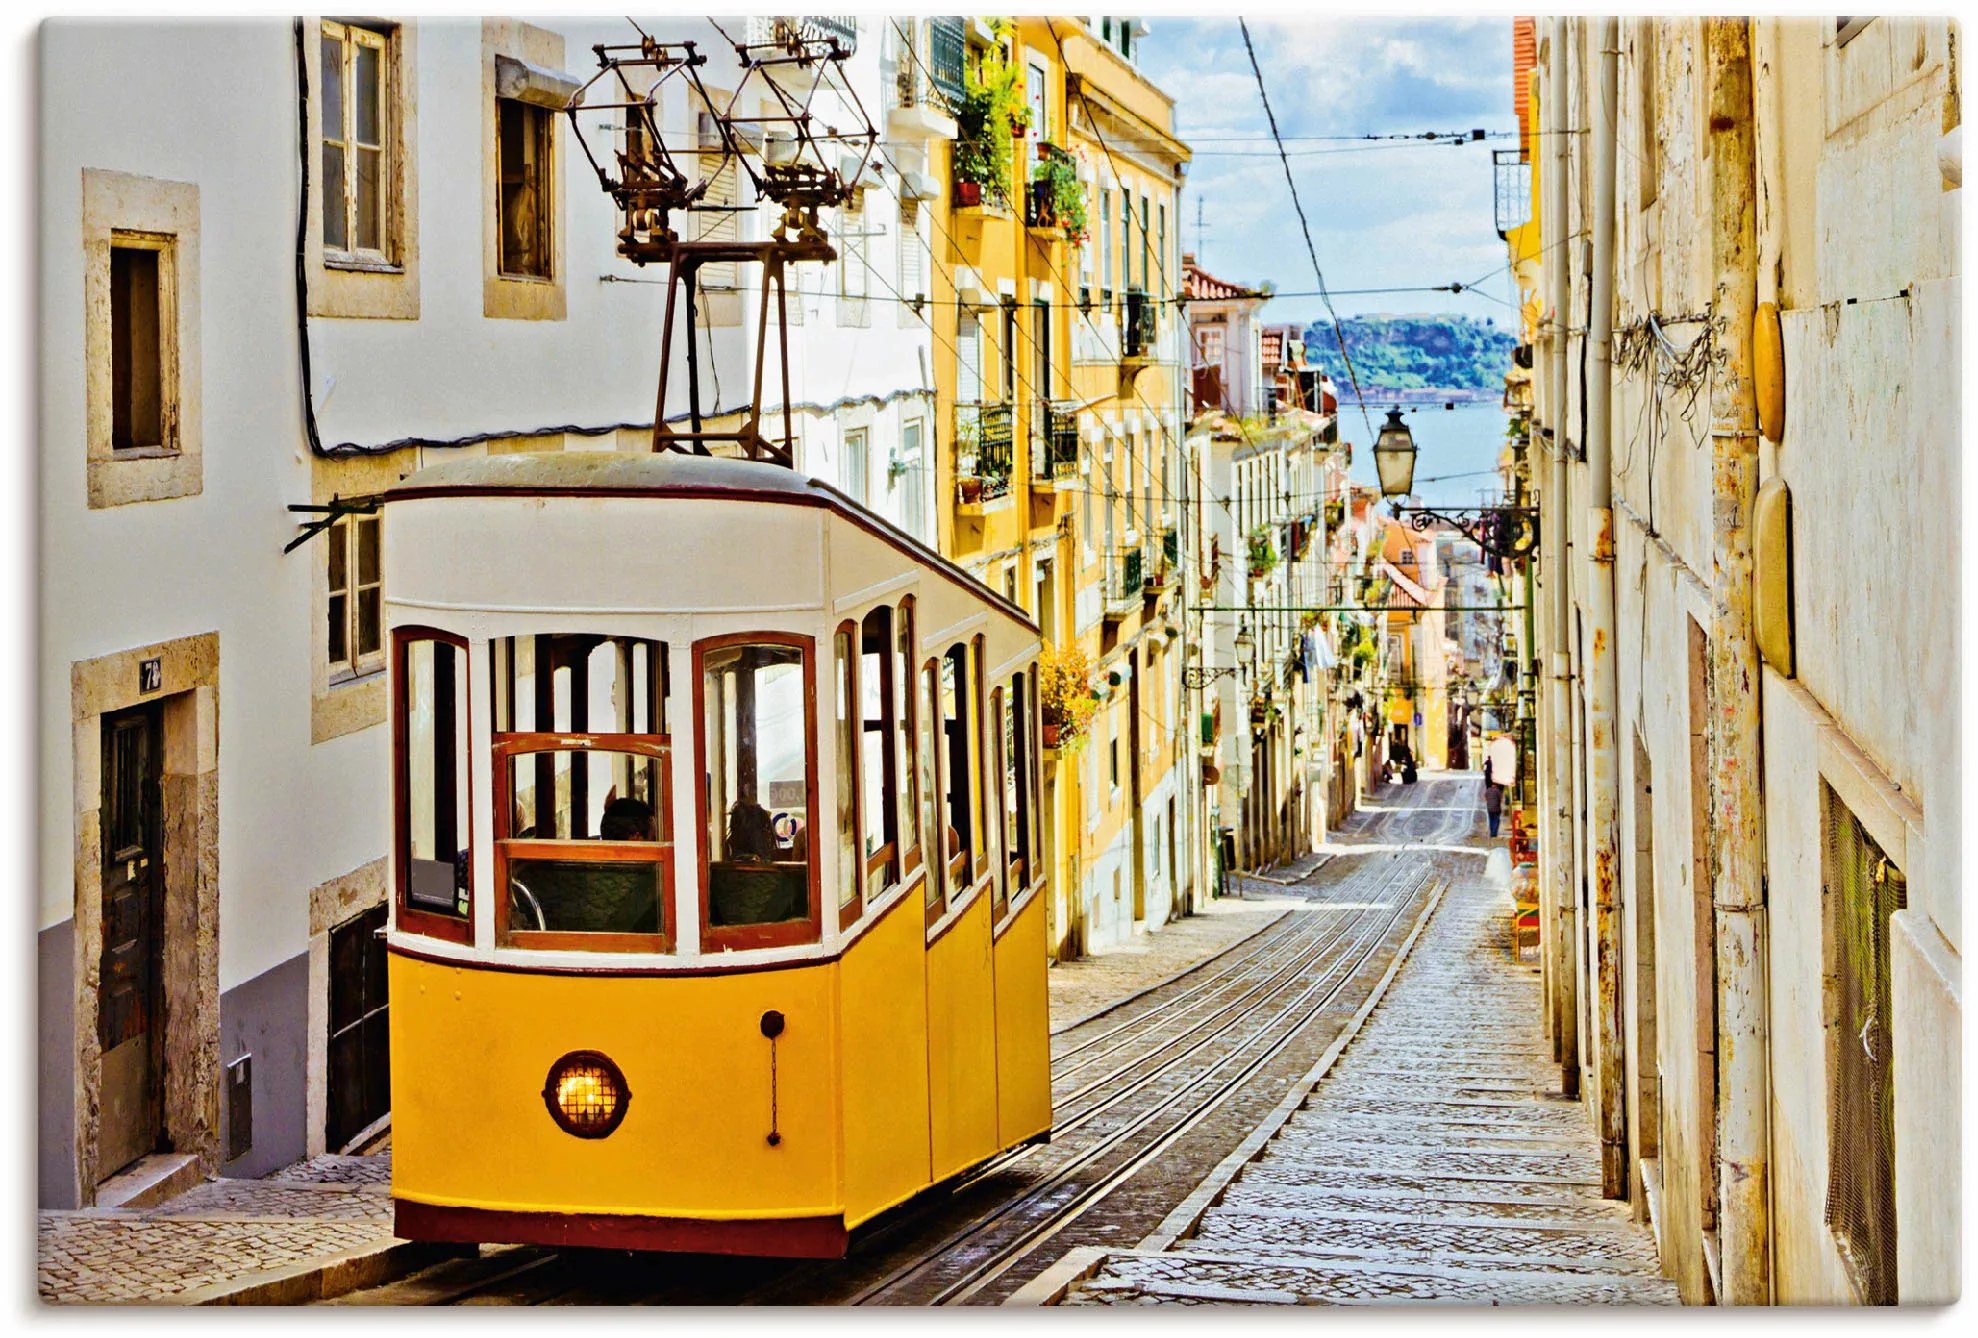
x=129, y=1002
x=360, y=1036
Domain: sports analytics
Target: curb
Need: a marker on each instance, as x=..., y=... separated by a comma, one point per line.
x=1050, y=1286
x=1189, y=1213
x=325, y=1278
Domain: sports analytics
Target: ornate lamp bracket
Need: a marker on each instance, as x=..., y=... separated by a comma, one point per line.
x=1503, y=531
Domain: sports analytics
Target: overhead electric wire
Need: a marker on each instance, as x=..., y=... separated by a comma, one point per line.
x=1305, y=226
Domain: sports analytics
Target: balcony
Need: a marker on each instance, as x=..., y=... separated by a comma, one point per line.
x=1054, y=202
x=1142, y=328
x=1053, y=443
x=1125, y=579
x=1163, y=563
x=985, y=457
x=928, y=81
x=788, y=29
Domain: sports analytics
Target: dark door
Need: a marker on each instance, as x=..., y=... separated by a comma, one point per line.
x=360, y=1037
x=129, y=1000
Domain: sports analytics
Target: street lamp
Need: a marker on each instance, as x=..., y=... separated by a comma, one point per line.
x=1195, y=677
x=1394, y=456
x=1245, y=643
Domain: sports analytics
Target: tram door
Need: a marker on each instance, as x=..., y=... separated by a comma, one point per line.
x=130, y=1020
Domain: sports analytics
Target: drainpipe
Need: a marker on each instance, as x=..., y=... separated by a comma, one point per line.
x=1737, y=851
x=1603, y=706
x=1558, y=272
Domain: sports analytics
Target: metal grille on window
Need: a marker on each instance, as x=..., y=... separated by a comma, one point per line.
x=1863, y=890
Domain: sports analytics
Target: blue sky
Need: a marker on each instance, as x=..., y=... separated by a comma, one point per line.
x=1416, y=215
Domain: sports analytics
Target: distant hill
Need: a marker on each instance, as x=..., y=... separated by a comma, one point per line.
x=1414, y=352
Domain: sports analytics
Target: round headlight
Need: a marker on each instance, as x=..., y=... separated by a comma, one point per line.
x=586, y=1094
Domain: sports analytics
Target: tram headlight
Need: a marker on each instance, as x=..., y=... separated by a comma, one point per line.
x=586, y=1094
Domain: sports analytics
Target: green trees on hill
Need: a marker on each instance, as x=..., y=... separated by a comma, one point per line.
x=1415, y=352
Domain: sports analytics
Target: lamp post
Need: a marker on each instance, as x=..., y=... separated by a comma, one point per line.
x=1503, y=531
x=1195, y=677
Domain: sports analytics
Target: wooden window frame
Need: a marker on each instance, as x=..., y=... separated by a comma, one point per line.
x=851, y=902
x=546, y=196
x=927, y=683
x=355, y=664
x=164, y=245
x=999, y=885
x=900, y=667
x=407, y=917
x=658, y=746
x=351, y=256
x=788, y=933
x=991, y=870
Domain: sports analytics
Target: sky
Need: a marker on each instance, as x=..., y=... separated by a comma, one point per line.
x=1414, y=215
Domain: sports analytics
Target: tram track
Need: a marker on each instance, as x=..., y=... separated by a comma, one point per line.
x=1197, y=1052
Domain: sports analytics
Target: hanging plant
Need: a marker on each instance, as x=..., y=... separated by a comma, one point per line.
x=1064, y=687
x=1263, y=553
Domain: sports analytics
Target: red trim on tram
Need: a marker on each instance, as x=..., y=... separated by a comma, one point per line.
x=786, y=1238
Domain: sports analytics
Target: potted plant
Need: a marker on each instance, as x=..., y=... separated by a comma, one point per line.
x=968, y=194
x=983, y=121
x=1263, y=554
x=1064, y=688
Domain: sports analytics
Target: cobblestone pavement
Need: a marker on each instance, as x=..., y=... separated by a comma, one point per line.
x=217, y=1232
x=1081, y=988
x=1433, y=1163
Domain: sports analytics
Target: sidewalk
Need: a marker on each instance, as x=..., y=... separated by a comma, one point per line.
x=1434, y=1162
x=1090, y=984
x=220, y=1236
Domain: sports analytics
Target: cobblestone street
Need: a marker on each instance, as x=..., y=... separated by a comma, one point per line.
x=217, y=1235
x=1435, y=1162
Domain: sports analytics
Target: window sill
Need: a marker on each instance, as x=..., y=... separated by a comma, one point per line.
x=144, y=453
x=352, y=677
x=359, y=265
x=346, y=704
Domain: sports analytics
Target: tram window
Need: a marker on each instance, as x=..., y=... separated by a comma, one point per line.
x=756, y=770
x=433, y=784
x=878, y=816
x=959, y=847
x=584, y=843
x=909, y=788
x=844, y=698
x=1016, y=784
x=578, y=683
x=1034, y=851
x=930, y=792
x=982, y=776
x=996, y=784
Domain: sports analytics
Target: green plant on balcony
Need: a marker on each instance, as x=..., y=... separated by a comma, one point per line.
x=1335, y=514
x=992, y=102
x=1263, y=553
x=1057, y=197
x=1064, y=688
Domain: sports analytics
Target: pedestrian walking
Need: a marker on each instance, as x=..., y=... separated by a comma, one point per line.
x=1493, y=799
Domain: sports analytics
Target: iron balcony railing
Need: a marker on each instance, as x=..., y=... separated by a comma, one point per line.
x=1125, y=576
x=985, y=448
x=1513, y=189
x=1162, y=562
x=782, y=28
x=931, y=74
x=947, y=48
x=1053, y=440
x=1141, y=327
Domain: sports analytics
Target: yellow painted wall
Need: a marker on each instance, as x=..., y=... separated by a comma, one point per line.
x=883, y=994
x=469, y=1128
x=961, y=1003
x=1023, y=1028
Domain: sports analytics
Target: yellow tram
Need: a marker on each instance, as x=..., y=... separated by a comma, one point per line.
x=716, y=922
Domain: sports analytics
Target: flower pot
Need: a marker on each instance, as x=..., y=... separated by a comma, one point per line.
x=968, y=194
x=1051, y=733
x=971, y=489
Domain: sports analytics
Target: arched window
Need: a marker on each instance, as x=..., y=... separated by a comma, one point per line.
x=582, y=792
x=430, y=784
x=757, y=750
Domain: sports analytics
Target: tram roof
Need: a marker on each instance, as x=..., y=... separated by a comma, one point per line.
x=670, y=474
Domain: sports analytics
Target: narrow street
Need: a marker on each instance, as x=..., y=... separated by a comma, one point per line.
x=1154, y=1095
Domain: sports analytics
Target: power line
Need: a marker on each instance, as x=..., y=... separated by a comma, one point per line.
x=1305, y=226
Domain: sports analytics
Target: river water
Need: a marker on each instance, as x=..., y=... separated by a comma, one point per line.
x=1453, y=449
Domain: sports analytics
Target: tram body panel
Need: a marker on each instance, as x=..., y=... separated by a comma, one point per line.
x=1023, y=1026
x=961, y=1052
x=694, y=1141
x=908, y=1052
x=883, y=995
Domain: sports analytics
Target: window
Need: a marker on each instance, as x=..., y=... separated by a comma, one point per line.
x=582, y=785
x=930, y=790
x=996, y=784
x=1105, y=248
x=1016, y=784
x=757, y=776
x=856, y=466
x=957, y=771
x=908, y=794
x=845, y=700
x=911, y=482
x=1145, y=245
x=1009, y=350
x=143, y=319
x=356, y=604
x=878, y=779
x=430, y=781
x=525, y=194
x=1042, y=342
x=1161, y=245
x=853, y=269
x=1863, y=889
x=356, y=135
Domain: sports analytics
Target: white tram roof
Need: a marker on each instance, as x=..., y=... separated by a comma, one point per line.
x=680, y=476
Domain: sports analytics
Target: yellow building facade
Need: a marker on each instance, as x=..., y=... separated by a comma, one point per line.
x=1057, y=382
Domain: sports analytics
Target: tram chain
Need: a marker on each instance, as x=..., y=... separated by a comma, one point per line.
x=1375, y=929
